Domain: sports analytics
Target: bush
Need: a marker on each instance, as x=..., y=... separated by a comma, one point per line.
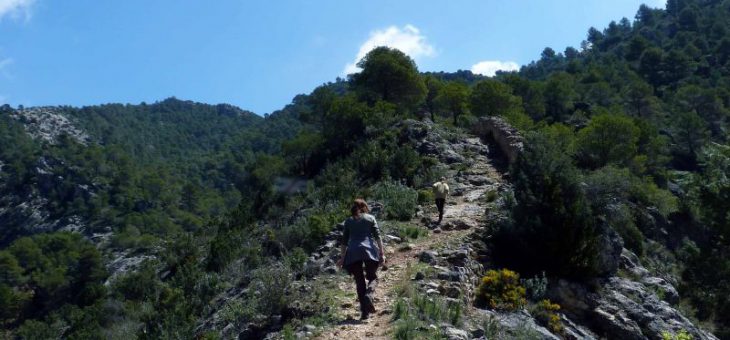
x=425, y=196
x=400, y=201
x=501, y=289
x=682, y=335
x=553, y=228
x=406, y=231
x=536, y=287
x=546, y=314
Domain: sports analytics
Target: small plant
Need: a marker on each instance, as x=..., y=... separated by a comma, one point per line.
x=501, y=289
x=287, y=333
x=407, y=329
x=492, y=196
x=407, y=231
x=546, y=313
x=455, y=313
x=492, y=328
x=535, y=287
x=682, y=335
x=400, y=311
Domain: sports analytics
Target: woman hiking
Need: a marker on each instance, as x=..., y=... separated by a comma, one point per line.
x=360, y=255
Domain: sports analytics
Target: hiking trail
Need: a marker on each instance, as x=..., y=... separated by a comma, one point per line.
x=470, y=181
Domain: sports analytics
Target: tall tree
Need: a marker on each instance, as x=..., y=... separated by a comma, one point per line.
x=433, y=86
x=492, y=97
x=559, y=95
x=453, y=98
x=390, y=75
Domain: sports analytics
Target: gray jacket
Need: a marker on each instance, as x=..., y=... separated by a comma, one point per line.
x=360, y=235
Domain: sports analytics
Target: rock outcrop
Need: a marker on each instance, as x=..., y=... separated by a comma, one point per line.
x=505, y=136
x=626, y=308
x=47, y=124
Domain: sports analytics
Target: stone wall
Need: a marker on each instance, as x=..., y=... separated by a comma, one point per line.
x=508, y=139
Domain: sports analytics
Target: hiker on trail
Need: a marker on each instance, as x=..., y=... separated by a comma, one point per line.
x=359, y=253
x=440, y=191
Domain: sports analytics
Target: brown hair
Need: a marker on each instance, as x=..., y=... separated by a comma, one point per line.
x=359, y=206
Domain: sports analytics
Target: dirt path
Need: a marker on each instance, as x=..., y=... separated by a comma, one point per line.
x=471, y=185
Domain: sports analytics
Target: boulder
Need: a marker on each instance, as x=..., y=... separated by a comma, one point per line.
x=610, y=248
x=452, y=333
x=428, y=256
x=624, y=309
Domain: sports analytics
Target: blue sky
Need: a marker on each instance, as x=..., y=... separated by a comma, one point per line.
x=259, y=54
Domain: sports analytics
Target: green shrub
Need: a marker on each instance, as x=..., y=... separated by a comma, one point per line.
x=492, y=196
x=536, y=287
x=681, y=335
x=501, y=289
x=404, y=163
x=552, y=226
x=425, y=196
x=632, y=236
x=408, y=231
x=400, y=201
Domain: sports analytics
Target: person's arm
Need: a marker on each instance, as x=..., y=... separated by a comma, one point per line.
x=343, y=245
x=376, y=235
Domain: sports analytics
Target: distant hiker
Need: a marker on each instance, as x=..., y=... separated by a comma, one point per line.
x=440, y=191
x=359, y=253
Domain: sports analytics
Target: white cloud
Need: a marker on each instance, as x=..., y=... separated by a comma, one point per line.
x=407, y=39
x=490, y=67
x=15, y=8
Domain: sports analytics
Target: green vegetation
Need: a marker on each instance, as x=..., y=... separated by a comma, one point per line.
x=681, y=335
x=546, y=313
x=400, y=201
x=626, y=134
x=414, y=311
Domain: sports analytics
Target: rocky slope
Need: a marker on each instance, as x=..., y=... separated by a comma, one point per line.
x=448, y=263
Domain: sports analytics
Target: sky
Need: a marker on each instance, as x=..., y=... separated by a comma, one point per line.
x=258, y=55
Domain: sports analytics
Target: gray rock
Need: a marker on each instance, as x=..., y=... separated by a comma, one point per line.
x=479, y=180
x=459, y=224
x=624, y=309
x=452, y=291
x=453, y=276
x=407, y=247
x=668, y=292
x=428, y=256
x=519, y=325
x=610, y=248
x=452, y=333
x=391, y=238
x=450, y=156
x=428, y=148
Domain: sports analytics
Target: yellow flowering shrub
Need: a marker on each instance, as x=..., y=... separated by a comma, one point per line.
x=501, y=289
x=546, y=313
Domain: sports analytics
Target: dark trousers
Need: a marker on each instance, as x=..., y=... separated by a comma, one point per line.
x=440, y=206
x=364, y=292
